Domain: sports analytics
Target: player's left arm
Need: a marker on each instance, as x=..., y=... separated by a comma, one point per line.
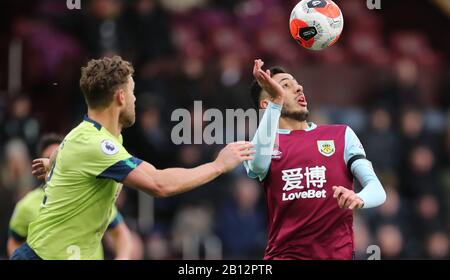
x=121, y=238
x=372, y=194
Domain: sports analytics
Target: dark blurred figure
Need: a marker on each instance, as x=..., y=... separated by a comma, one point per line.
x=420, y=174
x=151, y=35
x=437, y=246
x=241, y=222
x=401, y=88
x=101, y=28
x=391, y=241
x=417, y=153
x=20, y=123
x=381, y=142
x=6, y=208
x=395, y=211
x=429, y=216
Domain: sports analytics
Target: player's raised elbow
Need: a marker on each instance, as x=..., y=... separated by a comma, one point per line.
x=383, y=196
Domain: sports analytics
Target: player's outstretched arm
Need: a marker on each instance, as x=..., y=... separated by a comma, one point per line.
x=264, y=138
x=172, y=181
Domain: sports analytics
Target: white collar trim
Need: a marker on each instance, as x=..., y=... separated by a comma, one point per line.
x=311, y=126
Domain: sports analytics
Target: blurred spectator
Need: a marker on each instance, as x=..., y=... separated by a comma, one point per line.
x=362, y=238
x=16, y=168
x=158, y=247
x=192, y=234
x=429, y=216
x=391, y=242
x=437, y=246
x=241, y=222
x=381, y=142
x=20, y=123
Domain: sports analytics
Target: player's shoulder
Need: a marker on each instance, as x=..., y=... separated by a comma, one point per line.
x=36, y=193
x=31, y=200
x=90, y=137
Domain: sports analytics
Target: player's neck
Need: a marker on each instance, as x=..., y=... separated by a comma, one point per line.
x=292, y=124
x=108, y=119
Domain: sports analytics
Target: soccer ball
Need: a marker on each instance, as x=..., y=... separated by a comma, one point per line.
x=316, y=24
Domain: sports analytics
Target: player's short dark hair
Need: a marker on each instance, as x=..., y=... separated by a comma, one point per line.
x=255, y=88
x=47, y=140
x=100, y=78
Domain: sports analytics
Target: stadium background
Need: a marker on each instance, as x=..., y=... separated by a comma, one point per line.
x=388, y=78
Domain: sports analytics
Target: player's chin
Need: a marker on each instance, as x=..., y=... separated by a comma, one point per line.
x=128, y=121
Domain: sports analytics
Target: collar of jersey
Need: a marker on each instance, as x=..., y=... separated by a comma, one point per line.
x=311, y=126
x=96, y=124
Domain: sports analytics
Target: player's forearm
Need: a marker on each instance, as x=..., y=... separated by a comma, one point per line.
x=264, y=139
x=180, y=180
x=372, y=193
x=122, y=241
x=172, y=181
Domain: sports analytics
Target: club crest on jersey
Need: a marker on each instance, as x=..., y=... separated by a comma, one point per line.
x=326, y=147
x=276, y=153
x=109, y=148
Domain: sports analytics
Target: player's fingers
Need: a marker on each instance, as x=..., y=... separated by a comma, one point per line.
x=238, y=143
x=337, y=191
x=247, y=152
x=247, y=158
x=264, y=75
x=358, y=203
x=245, y=146
x=38, y=160
x=255, y=68
x=37, y=164
x=353, y=205
x=340, y=202
x=37, y=171
x=343, y=199
x=350, y=199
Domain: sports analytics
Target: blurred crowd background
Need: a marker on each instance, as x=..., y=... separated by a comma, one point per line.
x=388, y=78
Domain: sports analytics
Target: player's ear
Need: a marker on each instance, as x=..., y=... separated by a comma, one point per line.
x=263, y=103
x=120, y=96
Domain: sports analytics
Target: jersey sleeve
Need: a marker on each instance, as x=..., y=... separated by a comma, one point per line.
x=353, y=149
x=20, y=220
x=264, y=141
x=110, y=160
x=115, y=218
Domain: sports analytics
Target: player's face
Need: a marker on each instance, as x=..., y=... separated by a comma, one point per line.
x=295, y=105
x=128, y=115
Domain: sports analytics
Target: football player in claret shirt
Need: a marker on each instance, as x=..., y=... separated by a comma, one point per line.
x=307, y=173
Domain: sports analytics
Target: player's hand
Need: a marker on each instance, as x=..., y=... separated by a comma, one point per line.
x=234, y=154
x=267, y=83
x=346, y=198
x=40, y=167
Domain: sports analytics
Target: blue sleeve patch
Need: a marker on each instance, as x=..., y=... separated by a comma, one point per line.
x=120, y=169
x=16, y=236
x=117, y=220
